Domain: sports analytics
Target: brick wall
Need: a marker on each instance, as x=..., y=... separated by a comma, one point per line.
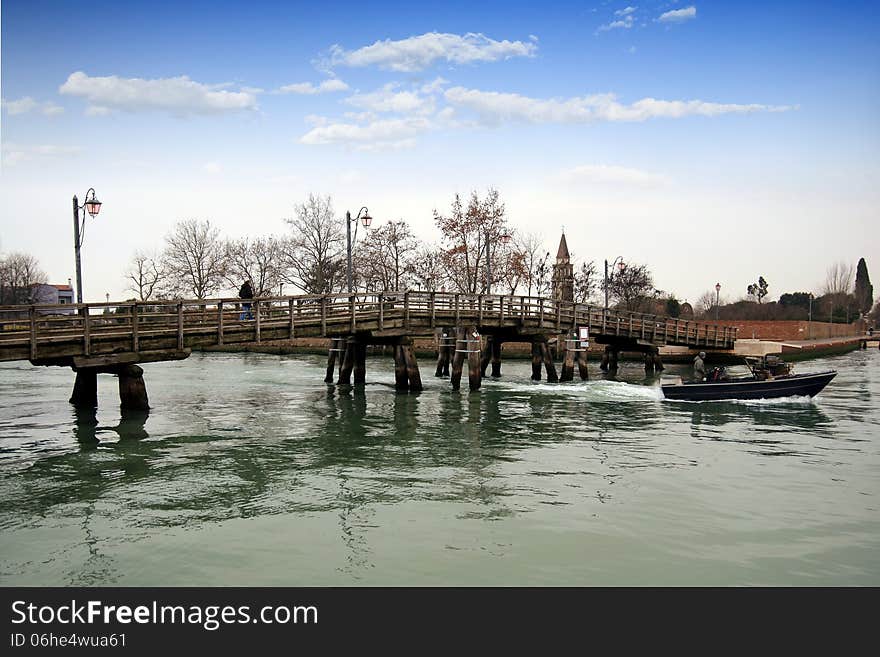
x=792, y=329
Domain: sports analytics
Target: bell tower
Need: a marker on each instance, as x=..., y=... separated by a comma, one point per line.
x=563, y=274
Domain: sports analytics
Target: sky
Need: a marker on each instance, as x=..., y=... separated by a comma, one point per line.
x=713, y=141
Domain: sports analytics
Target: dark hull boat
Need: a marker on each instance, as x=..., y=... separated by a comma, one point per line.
x=792, y=385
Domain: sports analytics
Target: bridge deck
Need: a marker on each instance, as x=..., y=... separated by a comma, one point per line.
x=53, y=334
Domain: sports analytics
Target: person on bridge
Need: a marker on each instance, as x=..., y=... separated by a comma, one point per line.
x=700, y=367
x=246, y=292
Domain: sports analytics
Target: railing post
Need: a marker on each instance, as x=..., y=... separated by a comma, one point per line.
x=457, y=310
x=501, y=316
x=541, y=312
x=135, y=340
x=480, y=310
x=220, y=322
x=381, y=311
x=522, y=310
x=87, y=330
x=431, y=301
x=324, y=315
x=180, y=325
x=351, y=309
x=257, y=305
x=406, y=309
x=558, y=315
x=32, y=314
x=290, y=319
x=604, y=319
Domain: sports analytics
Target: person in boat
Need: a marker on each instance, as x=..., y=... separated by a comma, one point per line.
x=700, y=367
x=246, y=292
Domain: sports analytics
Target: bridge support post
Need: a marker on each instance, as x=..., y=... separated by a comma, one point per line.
x=443, y=352
x=474, y=374
x=581, y=359
x=360, y=363
x=85, y=389
x=347, y=362
x=486, y=355
x=537, y=359
x=412, y=368
x=568, y=352
x=458, y=357
x=132, y=390
x=496, y=357
x=401, y=380
x=549, y=367
x=331, y=359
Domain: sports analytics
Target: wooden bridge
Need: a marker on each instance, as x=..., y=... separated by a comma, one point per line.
x=115, y=337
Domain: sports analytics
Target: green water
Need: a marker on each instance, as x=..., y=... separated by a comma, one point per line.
x=251, y=471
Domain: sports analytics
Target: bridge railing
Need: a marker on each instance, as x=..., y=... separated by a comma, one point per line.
x=42, y=324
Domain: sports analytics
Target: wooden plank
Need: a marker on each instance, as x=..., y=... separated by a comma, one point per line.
x=480, y=309
x=87, y=329
x=324, y=316
x=381, y=311
x=179, y=326
x=257, y=305
x=352, y=321
x=290, y=328
x=406, y=310
x=220, y=322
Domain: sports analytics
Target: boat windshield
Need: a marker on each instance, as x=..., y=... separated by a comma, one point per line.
x=738, y=372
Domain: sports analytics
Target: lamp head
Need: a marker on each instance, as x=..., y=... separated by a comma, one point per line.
x=93, y=205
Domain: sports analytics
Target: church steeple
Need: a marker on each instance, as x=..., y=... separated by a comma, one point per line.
x=563, y=273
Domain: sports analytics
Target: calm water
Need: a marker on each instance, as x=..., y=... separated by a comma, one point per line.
x=250, y=470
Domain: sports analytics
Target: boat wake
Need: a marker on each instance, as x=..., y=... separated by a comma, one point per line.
x=617, y=391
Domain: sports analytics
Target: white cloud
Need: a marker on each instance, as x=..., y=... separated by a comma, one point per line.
x=495, y=107
x=387, y=99
x=178, y=96
x=418, y=52
x=614, y=175
x=213, y=168
x=309, y=89
x=625, y=23
x=28, y=104
x=386, y=133
x=625, y=12
x=678, y=15
x=436, y=85
x=16, y=153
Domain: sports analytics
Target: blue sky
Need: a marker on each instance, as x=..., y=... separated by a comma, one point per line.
x=714, y=141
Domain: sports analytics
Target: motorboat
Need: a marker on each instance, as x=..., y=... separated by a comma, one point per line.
x=768, y=378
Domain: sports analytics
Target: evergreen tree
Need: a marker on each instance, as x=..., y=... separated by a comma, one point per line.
x=864, y=290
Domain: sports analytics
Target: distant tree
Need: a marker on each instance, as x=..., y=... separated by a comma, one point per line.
x=145, y=275
x=428, y=268
x=315, y=253
x=673, y=307
x=758, y=290
x=631, y=286
x=839, y=279
x=510, y=262
x=385, y=259
x=864, y=291
x=543, y=276
x=194, y=259
x=795, y=300
x=531, y=245
x=465, y=233
x=20, y=278
x=586, y=282
x=259, y=260
x=706, y=302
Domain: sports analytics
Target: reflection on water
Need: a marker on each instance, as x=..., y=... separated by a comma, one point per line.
x=250, y=469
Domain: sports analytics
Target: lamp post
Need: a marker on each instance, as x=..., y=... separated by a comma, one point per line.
x=621, y=264
x=717, y=296
x=366, y=219
x=505, y=238
x=93, y=206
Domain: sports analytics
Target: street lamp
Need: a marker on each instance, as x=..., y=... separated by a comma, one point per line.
x=93, y=206
x=366, y=219
x=621, y=266
x=717, y=295
x=505, y=238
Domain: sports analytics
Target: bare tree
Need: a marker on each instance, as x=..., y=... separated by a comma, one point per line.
x=839, y=279
x=706, y=302
x=465, y=233
x=194, y=259
x=385, y=258
x=314, y=254
x=145, y=275
x=631, y=286
x=586, y=282
x=543, y=276
x=258, y=260
x=531, y=245
x=20, y=279
x=429, y=269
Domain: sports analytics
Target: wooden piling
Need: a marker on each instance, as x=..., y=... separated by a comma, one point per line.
x=412, y=368
x=474, y=374
x=458, y=357
x=85, y=389
x=401, y=380
x=549, y=367
x=132, y=390
x=347, y=362
x=496, y=357
x=581, y=360
x=360, y=363
x=331, y=359
x=568, y=352
x=537, y=359
x=485, y=355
